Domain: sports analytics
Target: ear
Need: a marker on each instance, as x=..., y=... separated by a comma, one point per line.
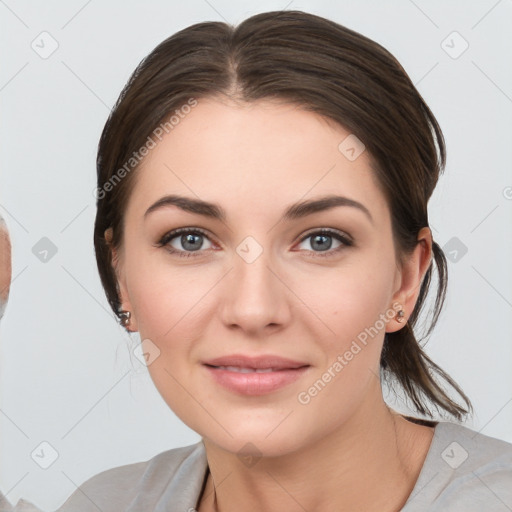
x=410, y=277
x=124, y=297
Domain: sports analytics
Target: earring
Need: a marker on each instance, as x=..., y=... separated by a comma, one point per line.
x=400, y=316
x=125, y=320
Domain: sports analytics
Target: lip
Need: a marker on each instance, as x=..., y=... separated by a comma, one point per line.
x=256, y=362
x=275, y=373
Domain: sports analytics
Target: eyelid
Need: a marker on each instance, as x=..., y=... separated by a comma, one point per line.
x=328, y=231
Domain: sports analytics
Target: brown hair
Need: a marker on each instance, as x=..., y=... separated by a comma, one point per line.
x=324, y=68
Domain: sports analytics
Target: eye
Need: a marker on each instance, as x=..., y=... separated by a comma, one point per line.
x=322, y=241
x=185, y=241
x=188, y=242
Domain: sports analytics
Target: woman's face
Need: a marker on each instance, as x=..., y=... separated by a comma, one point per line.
x=260, y=280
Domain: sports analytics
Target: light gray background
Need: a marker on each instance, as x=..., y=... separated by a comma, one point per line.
x=67, y=375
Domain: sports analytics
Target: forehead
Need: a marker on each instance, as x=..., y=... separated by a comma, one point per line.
x=255, y=155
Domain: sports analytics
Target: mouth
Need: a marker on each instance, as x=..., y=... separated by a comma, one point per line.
x=250, y=370
x=257, y=376
x=268, y=362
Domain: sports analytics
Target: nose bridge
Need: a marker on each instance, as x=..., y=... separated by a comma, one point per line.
x=255, y=297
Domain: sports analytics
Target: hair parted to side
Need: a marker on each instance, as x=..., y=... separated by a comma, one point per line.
x=322, y=67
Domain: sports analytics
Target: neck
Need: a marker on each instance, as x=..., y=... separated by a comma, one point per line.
x=370, y=463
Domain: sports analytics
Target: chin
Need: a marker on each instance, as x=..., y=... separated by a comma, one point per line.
x=264, y=438
x=256, y=446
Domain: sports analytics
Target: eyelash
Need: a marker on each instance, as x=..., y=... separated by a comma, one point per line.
x=164, y=241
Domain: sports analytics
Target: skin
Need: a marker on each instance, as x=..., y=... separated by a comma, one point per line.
x=5, y=265
x=346, y=449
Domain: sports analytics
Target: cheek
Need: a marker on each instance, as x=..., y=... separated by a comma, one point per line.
x=350, y=302
x=173, y=309
x=351, y=297
x=165, y=297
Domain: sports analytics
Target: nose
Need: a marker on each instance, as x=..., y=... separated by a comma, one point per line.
x=255, y=297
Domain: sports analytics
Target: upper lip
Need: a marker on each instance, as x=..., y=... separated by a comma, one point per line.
x=255, y=362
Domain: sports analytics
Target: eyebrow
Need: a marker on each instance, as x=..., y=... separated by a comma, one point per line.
x=295, y=211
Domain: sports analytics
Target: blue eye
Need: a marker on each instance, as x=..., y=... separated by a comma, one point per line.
x=321, y=242
x=190, y=239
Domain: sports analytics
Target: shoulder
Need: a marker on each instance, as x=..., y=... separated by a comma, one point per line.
x=464, y=470
x=470, y=452
x=141, y=486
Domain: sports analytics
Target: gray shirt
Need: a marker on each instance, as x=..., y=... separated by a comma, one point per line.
x=463, y=471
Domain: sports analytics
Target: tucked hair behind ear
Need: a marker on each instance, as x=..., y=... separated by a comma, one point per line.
x=322, y=67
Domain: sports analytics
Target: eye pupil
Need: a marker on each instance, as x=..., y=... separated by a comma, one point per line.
x=322, y=246
x=189, y=242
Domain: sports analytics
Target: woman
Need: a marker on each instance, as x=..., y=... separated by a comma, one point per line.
x=262, y=223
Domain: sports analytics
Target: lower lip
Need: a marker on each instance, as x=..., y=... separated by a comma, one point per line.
x=253, y=383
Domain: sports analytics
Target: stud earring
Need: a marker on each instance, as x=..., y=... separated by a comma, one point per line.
x=400, y=316
x=125, y=318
